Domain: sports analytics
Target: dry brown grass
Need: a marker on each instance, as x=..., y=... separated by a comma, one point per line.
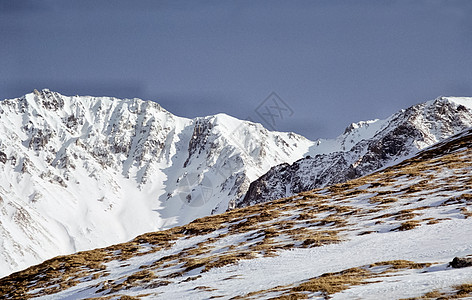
x=332, y=283
x=55, y=274
x=458, y=291
x=465, y=198
x=313, y=238
x=195, y=263
x=125, y=297
x=266, y=247
x=253, y=222
x=100, y=298
x=383, y=216
x=366, y=232
x=405, y=214
x=432, y=295
x=205, y=288
x=228, y=259
x=401, y=264
x=432, y=222
x=142, y=279
x=332, y=220
x=466, y=212
x=421, y=186
x=382, y=200
x=408, y=225
x=309, y=215
x=464, y=290
x=282, y=225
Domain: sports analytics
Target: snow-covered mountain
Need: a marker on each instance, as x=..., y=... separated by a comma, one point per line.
x=78, y=173
x=365, y=147
x=393, y=234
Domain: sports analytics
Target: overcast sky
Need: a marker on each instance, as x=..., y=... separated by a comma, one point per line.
x=330, y=62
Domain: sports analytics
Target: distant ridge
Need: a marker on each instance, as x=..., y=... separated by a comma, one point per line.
x=365, y=147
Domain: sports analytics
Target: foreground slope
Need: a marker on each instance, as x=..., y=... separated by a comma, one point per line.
x=83, y=172
x=391, y=234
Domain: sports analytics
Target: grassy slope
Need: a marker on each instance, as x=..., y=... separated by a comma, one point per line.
x=426, y=190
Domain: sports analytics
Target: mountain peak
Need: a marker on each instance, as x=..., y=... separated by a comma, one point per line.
x=92, y=171
x=360, y=124
x=365, y=147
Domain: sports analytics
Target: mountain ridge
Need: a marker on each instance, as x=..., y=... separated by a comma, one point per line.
x=80, y=172
x=371, y=145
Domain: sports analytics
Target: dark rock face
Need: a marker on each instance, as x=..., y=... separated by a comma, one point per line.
x=3, y=157
x=461, y=262
x=199, y=139
x=404, y=134
x=50, y=100
x=39, y=139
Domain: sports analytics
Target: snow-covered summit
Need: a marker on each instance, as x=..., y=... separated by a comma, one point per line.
x=80, y=172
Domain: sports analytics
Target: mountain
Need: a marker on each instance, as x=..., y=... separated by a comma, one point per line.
x=392, y=234
x=363, y=148
x=78, y=173
x=82, y=172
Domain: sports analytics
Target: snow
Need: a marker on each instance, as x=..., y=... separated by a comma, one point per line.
x=464, y=101
x=353, y=134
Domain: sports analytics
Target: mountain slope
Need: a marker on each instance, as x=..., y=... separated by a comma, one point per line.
x=365, y=147
x=390, y=234
x=78, y=173
x=84, y=172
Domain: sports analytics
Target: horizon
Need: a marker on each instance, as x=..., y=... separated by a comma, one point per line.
x=253, y=121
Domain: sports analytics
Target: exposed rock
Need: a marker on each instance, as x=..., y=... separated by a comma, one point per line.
x=50, y=100
x=3, y=157
x=199, y=139
x=461, y=262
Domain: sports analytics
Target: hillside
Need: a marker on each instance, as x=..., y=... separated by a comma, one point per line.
x=389, y=234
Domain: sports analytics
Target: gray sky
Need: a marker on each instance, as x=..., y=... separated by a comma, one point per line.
x=331, y=62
